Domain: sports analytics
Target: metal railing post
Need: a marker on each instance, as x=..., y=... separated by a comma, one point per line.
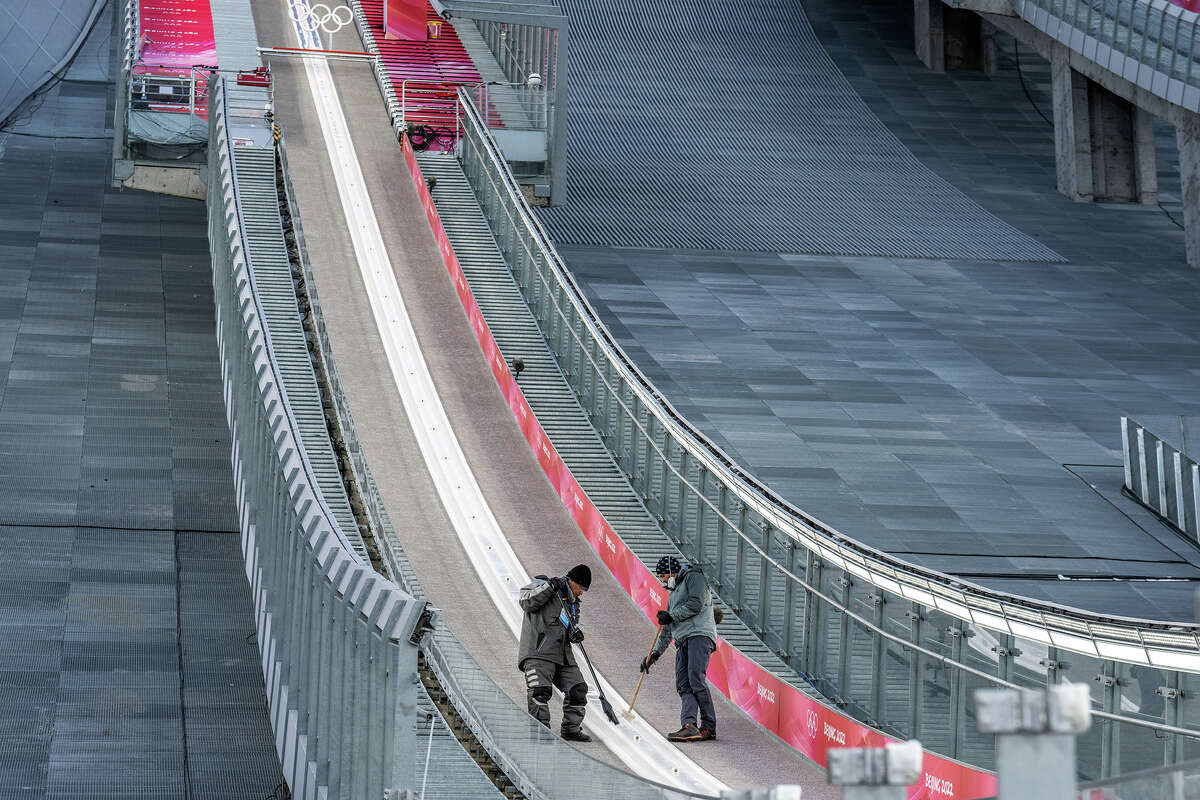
x=878, y=654
x=810, y=658
x=764, y=581
x=915, y=667
x=784, y=648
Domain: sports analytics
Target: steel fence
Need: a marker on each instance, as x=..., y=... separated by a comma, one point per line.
x=338, y=641
x=892, y=644
x=1161, y=477
x=1151, y=43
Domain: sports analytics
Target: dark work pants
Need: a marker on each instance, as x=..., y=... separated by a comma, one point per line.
x=540, y=676
x=691, y=666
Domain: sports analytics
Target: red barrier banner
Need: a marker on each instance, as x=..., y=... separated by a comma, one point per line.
x=176, y=33
x=810, y=727
x=405, y=19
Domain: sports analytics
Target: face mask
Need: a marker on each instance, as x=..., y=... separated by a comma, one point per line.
x=671, y=582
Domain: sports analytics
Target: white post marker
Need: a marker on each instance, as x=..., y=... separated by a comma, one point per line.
x=1035, y=738
x=642, y=748
x=875, y=773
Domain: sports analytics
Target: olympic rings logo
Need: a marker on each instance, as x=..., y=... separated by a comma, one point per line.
x=320, y=16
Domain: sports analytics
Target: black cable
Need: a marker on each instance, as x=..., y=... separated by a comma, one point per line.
x=421, y=136
x=183, y=721
x=1178, y=224
x=48, y=135
x=1021, y=77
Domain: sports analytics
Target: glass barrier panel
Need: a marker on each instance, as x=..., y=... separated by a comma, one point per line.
x=979, y=651
x=899, y=664
x=1140, y=696
x=938, y=635
x=782, y=588
x=1029, y=663
x=1189, y=714
x=828, y=636
x=1078, y=668
x=860, y=693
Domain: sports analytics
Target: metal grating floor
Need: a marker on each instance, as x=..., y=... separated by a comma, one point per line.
x=734, y=130
x=117, y=522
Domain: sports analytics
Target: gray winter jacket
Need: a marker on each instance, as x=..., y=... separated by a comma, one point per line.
x=549, y=615
x=690, y=604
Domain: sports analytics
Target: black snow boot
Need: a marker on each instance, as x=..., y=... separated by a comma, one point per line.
x=575, y=735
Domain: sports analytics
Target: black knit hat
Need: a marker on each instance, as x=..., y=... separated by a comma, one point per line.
x=581, y=574
x=667, y=565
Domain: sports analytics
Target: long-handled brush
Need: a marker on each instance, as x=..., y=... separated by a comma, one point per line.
x=628, y=713
x=607, y=706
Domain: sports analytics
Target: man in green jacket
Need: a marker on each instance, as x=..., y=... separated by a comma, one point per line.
x=551, y=625
x=688, y=620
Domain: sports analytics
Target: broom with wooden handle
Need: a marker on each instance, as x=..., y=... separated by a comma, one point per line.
x=628, y=713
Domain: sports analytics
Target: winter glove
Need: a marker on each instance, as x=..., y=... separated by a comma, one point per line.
x=576, y=634
x=648, y=661
x=665, y=619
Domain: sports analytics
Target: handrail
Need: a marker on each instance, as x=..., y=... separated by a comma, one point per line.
x=1159, y=36
x=471, y=116
x=954, y=596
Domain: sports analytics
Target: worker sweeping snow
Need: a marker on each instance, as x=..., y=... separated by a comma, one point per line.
x=688, y=621
x=551, y=625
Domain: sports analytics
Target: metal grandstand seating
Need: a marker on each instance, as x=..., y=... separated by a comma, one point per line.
x=426, y=73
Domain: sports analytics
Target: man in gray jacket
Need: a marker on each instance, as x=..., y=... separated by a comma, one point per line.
x=551, y=625
x=688, y=620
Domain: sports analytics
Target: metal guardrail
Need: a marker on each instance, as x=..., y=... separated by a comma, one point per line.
x=1161, y=477
x=518, y=106
x=131, y=28
x=338, y=641
x=894, y=645
x=156, y=87
x=1151, y=43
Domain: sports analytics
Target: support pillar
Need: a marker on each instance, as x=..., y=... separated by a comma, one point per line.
x=948, y=38
x=1188, y=138
x=1103, y=144
x=989, y=59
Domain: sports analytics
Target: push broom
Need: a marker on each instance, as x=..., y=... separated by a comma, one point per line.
x=607, y=706
x=628, y=713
